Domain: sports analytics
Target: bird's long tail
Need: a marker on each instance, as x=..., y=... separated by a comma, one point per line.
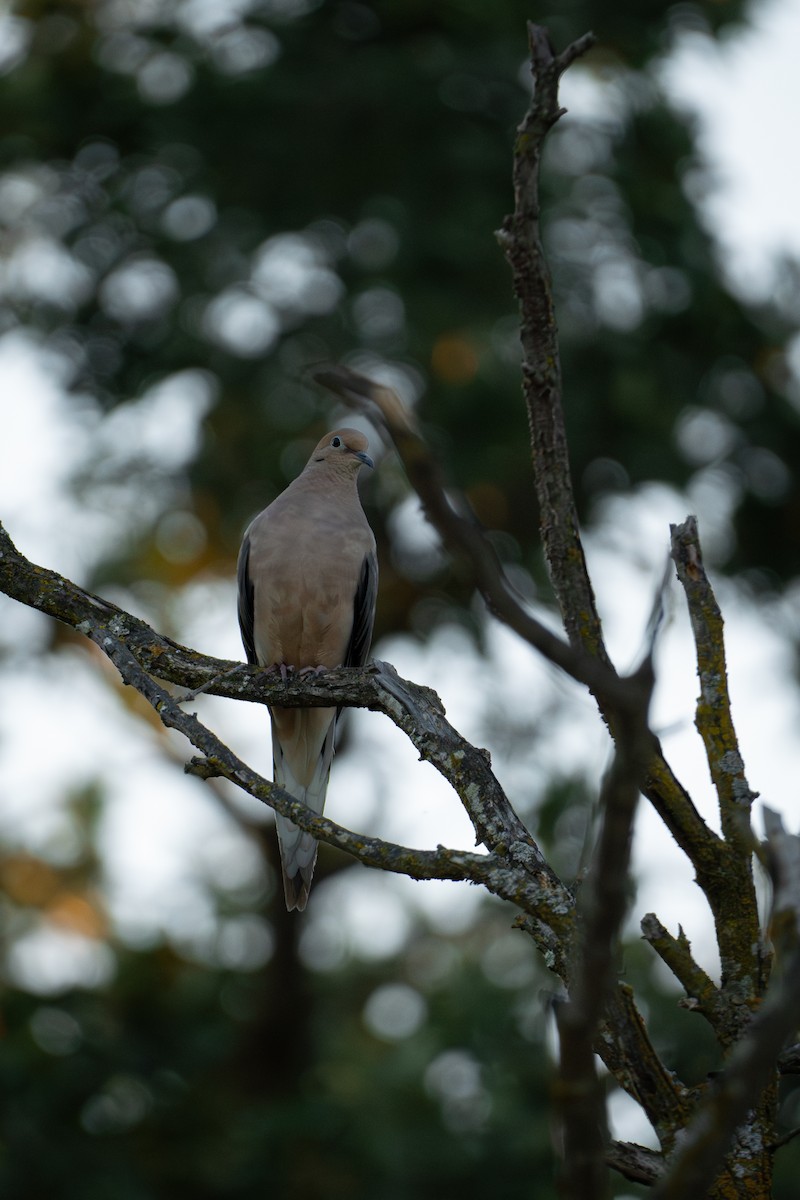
x=302, y=752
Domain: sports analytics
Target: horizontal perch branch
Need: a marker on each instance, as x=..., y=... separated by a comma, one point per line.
x=514, y=869
x=518, y=870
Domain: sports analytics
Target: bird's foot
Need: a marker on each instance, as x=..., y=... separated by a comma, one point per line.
x=282, y=669
x=318, y=670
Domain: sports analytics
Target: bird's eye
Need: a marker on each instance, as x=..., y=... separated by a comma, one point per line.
x=336, y=442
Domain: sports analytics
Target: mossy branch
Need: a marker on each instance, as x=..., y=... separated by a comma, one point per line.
x=736, y=1096
x=703, y=996
x=713, y=718
x=727, y=877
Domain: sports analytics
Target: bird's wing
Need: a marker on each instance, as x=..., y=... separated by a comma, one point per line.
x=364, y=603
x=246, y=603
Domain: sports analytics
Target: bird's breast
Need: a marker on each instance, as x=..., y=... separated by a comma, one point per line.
x=304, y=590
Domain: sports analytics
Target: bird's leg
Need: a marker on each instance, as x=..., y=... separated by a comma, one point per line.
x=283, y=669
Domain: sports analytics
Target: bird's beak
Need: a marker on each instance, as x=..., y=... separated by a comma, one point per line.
x=364, y=457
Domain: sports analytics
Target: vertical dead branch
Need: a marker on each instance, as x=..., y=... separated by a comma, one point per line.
x=601, y=905
x=520, y=239
x=601, y=908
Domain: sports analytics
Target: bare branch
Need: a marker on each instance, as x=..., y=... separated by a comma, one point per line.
x=625, y=1047
x=520, y=872
x=416, y=710
x=789, y=1061
x=219, y=760
x=451, y=516
x=520, y=238
x=727, y=879
x=703, y=995
x=634, y=1162
x=600, y=908
x=784, y=1140
x=713, y=718
x=521, y=241
x=751, y=1067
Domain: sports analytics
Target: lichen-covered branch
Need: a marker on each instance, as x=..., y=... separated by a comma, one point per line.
x=727, y=879
x=416, y=710
x=514, y=870
x=713, y=717
x=703, y=995
x=735, y=1097
x=626, y=1048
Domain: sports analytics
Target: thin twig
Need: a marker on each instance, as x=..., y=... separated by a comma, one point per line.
x=187, y=697
x=780, y=1142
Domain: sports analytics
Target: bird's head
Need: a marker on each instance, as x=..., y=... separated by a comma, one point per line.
x=343, y=450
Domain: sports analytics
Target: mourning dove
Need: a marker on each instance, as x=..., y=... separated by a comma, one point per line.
x=308, y=579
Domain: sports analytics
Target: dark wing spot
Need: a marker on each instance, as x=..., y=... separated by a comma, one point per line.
x=363, y=613
x=246, y=604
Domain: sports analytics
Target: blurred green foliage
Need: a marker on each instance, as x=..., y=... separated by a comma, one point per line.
x=256, y=191
x=243, y=192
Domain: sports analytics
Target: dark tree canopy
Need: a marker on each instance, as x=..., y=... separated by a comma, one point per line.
x=254, y=195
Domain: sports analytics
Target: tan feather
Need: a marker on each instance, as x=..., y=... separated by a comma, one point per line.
x=307, y=587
